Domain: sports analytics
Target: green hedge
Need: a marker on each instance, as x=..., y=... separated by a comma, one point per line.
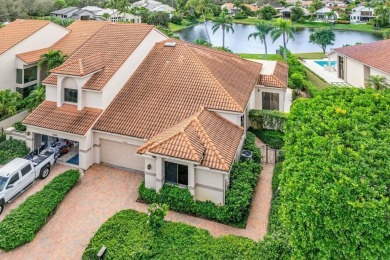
x=243, y=180
x=250, y=144
x=271, y=137
x=268, y=119
x=21, y=224
x=336, y=175
x=128, y=236
x=10, y=149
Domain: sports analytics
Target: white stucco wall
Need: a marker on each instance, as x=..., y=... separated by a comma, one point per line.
x=51, y=93
x=233, y=117
x=354, y=72
x=284, y=104
x=115, y=84
x=209, y=185
x=381, y=73
x=43, y=38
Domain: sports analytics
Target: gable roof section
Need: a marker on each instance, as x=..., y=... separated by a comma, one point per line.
x=172, y=83
x=116, y=42
x=80, y=32
x=64, y=10
x=205, y=138
x=17, y=31
x=374, y=54
x=65, y=118
x=82, y=66
x=278, y=78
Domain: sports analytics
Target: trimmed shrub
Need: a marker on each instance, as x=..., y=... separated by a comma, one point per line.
x=19, y=127
x=11, y=149
x=127, y=236
x=336, y=175
x=176, y=19
x=250, y=144
x=268, y=119
x=243, y=180
x=240, y=15
x=271, y=137
x=21, y=224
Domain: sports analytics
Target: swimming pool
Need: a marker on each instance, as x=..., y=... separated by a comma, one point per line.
x=323, y=63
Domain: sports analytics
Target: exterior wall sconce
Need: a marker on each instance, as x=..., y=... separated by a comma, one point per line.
x=149, y=166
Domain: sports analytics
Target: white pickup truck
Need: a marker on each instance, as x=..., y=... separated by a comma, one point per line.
x=17, y=175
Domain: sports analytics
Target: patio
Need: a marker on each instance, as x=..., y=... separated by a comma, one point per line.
x=329, y=74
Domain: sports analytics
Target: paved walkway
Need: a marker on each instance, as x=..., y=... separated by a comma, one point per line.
x=101, y=193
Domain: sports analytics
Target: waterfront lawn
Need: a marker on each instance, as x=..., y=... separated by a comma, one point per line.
x=260, y=56
x=353, y=27
x=249, y=20
x=310, y=55
x=184, y=24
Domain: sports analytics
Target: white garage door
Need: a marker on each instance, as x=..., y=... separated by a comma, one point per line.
x=120, y=154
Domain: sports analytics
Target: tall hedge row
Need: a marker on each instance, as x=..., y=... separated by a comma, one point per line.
x=335, y=184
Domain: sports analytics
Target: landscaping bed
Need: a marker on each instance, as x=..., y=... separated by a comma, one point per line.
x=11, y=149
x=21, y=224
x=127, y=236
x=243, y=180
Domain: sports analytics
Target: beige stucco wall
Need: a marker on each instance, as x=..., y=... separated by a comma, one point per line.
x=43, y=38
x=115, y=84
x=354, y=72
x=381, y=73
x=210, y=185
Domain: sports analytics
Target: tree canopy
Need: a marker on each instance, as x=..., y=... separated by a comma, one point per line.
x=323, y=38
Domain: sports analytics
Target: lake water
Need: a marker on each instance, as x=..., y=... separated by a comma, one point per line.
x=238, y=41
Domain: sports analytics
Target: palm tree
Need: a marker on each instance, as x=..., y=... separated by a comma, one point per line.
x=35, y=98
x=226, y=23
x=121, y=5
x=9, y=102
x=377, y=82
x=202, y=7
x=283, y=28
x=52, y=59
x=262, y=30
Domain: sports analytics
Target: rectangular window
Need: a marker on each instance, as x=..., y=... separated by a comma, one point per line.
x=14, y=178
x=26, y=169
x=19, y=76
x=27, y=90
x=30, y=74
x=270, y=101
x=70, y=95
x=176, y=173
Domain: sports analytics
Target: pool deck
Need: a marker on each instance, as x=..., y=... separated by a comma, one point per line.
x=328, y=76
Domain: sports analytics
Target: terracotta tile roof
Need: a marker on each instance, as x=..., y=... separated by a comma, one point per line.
x=65, y=118
x=81, y=67
x=80, y=32
x=205, y=138
x=172, y=83
x=374, y=54
x=17, y=31
x=278, y=79
x=115, y=42
x=50, y=80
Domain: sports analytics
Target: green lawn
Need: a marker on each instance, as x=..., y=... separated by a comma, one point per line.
x=184, y=24
x=317, y=81
x=310, y=55
x=352, y=27
x=249, y=20
x=260, y=56
x=127, y=236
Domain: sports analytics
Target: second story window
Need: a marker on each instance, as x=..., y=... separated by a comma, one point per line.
x=70, y=95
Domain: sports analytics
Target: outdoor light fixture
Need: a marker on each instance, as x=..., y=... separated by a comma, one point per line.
x=149, y=166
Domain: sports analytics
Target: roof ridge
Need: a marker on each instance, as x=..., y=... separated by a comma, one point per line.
x=192, y=149
x=227, y=94
x=213, y=148
x=81, y=66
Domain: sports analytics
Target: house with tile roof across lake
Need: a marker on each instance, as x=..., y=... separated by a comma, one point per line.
x=130, y=97
x=356, y=63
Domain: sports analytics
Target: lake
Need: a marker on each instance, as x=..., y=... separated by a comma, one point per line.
x=238, y=41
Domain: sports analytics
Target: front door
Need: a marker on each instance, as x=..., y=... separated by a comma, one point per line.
x=341, y=67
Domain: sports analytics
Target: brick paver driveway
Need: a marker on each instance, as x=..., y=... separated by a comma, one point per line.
x=101, y=193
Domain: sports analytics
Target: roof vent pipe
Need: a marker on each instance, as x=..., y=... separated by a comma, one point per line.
x=170, y=44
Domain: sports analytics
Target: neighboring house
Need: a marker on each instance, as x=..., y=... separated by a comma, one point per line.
x=65, y=13
x=252, y=7
x=24, y=36
x=154, y=6
x=334, y=4
x=177, y=112
x=356, y=63
x=362, y=14
x=326, y=13
x=95, y=13
x=231, y=9
x=286, y=12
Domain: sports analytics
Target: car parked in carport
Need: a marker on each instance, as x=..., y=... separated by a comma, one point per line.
x=19, y=174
